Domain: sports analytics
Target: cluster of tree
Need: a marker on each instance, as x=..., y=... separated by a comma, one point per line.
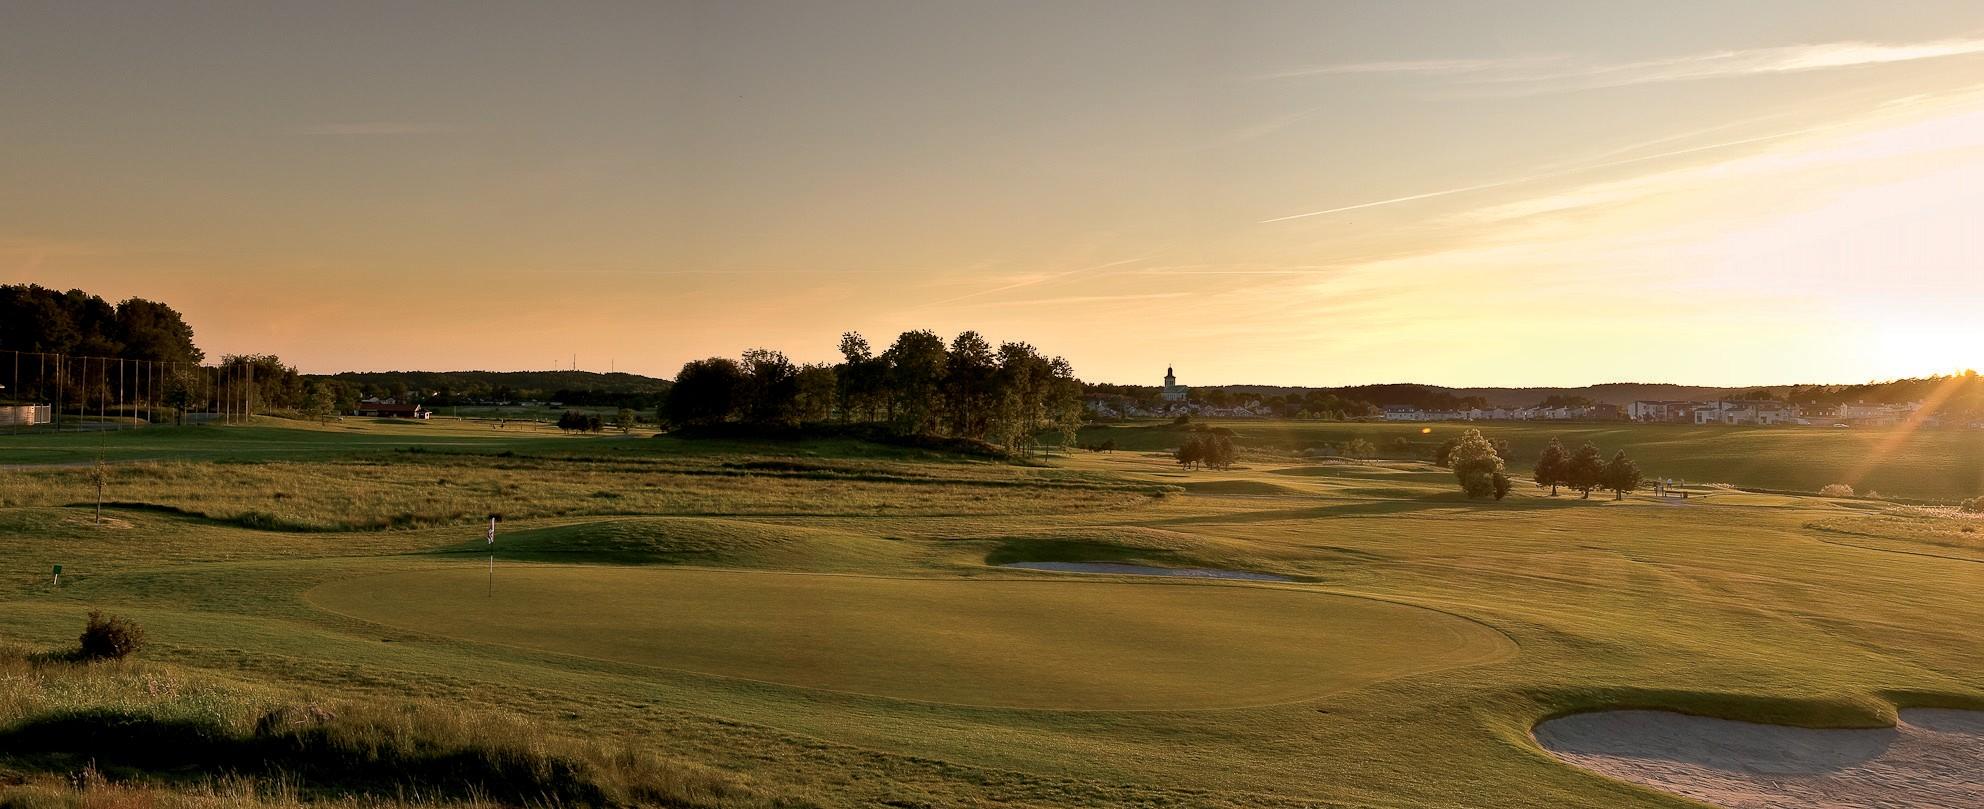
x=1566, y=400
x=1421, y=397
x=1953, y=396
x=35, y=318
x=1479, y=468
x=1291, y=404
x=575, y=421
x=917, y=386
x=445, y=388
x=1209, y=449
x=1586, y=470
x=1443, y=455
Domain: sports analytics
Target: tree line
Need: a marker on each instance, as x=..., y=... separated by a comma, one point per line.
x=1478, y=463
x=1586, y=470
x=918, y=385
x=34, y=318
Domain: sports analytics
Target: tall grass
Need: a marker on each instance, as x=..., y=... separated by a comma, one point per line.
x=418, y=490
x=132, y=734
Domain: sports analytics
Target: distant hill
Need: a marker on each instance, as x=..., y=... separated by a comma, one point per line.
x=1617, y=393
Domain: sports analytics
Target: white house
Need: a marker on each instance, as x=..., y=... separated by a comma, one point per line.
x=1762, y=413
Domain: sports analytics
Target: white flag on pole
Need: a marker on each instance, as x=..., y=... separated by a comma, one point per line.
x=490, y=538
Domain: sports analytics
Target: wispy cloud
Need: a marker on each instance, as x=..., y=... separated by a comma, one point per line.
x=1573, y=169
x=373, y=128
x=1038, y=280
x=1539, y=74
x=1421, y=66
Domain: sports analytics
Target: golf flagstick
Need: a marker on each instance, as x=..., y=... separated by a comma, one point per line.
x=490, y=540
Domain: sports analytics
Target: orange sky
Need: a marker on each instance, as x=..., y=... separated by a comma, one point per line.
x=1291, y=193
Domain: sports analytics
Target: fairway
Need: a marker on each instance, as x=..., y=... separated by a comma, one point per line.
x=1010, y=643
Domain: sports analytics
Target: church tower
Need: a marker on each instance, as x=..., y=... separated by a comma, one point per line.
x=1173, y=392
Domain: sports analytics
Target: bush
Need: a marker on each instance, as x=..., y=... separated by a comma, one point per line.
x=1836, y=490
x=573, y=420
x=1974, y=505
x=109, y=638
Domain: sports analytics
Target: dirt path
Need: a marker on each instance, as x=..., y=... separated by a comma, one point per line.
x=1934, y=758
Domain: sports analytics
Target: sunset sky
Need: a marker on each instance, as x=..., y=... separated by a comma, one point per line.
x=1316, y=193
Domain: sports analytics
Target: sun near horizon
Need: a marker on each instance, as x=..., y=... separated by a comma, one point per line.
x=1298, y=194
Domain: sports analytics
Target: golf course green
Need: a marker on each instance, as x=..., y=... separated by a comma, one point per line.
x=1020, y=643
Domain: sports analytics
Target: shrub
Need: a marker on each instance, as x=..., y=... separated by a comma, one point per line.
x=109, y=637
x=1974, y=505
x=1836, y=490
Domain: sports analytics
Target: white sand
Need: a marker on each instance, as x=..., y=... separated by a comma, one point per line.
x=1934, y=758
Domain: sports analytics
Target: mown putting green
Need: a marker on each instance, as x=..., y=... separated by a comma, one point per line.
x=1006, y=643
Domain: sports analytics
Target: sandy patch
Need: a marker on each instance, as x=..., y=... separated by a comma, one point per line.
x=1147, y=570
x=1934, y=758
x=107, y=523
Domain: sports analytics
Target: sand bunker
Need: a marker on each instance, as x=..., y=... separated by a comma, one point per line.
x=1934, y=758
x=1147, y=570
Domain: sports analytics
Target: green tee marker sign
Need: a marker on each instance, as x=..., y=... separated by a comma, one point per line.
x=58, y=575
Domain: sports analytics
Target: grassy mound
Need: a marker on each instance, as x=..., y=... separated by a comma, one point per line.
x=1108, y=544
x=1241, y=487
x=704, y=541
x=143, y=732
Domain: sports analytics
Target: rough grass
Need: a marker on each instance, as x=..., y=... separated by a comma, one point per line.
x=416, y=490
x=136, y=730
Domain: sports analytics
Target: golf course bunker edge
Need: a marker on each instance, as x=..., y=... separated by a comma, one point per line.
x=1006, y=643
x=1932, y=758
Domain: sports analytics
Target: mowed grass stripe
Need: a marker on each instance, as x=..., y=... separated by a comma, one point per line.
x=1038, y=644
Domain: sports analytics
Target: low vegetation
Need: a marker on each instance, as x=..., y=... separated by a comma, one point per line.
x=79, y=734
x=109, y=637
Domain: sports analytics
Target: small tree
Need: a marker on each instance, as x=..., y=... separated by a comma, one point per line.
x=1620, y=475
x=1585, y=470
x=624, y=420
x=1444, y=456
x=1360, y=448
x=321, y=404
x=1218, y=452
x=1477, y=467
x=99, y=477
x=1192, y=453
x=1551, y=466
x=109, y=638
